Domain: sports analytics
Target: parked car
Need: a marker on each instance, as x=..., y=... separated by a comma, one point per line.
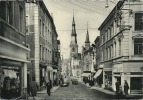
x=65, y=83
x=74, y=81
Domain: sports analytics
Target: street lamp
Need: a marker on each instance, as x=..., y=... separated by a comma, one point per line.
x=106, y=6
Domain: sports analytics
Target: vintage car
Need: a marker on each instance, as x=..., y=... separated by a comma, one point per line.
x=74, y=81
x=65, y=83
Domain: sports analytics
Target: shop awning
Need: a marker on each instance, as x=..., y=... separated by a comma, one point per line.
x=85, y=74
x=10, y=73
x=98, y=73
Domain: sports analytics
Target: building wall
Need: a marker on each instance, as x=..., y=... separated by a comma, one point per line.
x=13, y=50
x=40, y=27
x=118, y=50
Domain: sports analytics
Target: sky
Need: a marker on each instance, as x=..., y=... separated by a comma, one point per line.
x=91, y=12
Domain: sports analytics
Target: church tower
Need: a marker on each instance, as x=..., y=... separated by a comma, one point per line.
x=87, y=41
x=73, y=44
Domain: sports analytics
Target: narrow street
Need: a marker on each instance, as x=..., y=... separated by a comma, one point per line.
x=80, y=91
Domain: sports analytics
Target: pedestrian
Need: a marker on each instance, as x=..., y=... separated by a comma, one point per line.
x=49, y=87
x=33, y=88
x=28, y=88
x=117, y=87
x=126, y=87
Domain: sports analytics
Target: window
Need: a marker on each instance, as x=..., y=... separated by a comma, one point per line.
x=40, y=26
x=112, y=51
x=46, y=33
x=112, y=30
x=102, y=55
x=43, y=53
x=103, y=38
x=109, y=32
x=138, y=46
x=10, y=13
x=138, y=21
x=40, y=52
x=119, y=47
x=106, y=53
x=43, y=29
x=27, y=23
x=115, y=49
x=21, y=18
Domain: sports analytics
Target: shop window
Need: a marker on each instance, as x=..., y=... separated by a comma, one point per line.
x=136, y=83
x=138, y=46
x=138, y=21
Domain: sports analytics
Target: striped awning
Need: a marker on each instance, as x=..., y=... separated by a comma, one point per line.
x=98, y=73
x=10, y=73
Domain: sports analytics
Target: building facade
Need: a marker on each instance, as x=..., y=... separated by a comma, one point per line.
x=13, y=49
x=74, y=55
x=87, y=57
x=121, y=46
x=42, y=40
x=98, y=77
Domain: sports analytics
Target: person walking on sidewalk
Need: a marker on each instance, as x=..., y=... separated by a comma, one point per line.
x=33, y=88
x=117, y=87
x=126, y=87
x=49, y=87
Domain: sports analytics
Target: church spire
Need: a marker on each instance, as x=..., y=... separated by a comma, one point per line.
x=87, y=36
x=73, y=33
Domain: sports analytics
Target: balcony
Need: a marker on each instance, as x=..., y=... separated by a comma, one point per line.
x=9, y=32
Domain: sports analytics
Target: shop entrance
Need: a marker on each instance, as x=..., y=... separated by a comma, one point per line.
x=118, y=79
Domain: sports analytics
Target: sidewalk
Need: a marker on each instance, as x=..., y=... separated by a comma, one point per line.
x=52, y=90
x=103, y=90
x=43, y=92
x=111, y=92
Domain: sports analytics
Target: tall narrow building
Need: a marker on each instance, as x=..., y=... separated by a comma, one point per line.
x=74, y=55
